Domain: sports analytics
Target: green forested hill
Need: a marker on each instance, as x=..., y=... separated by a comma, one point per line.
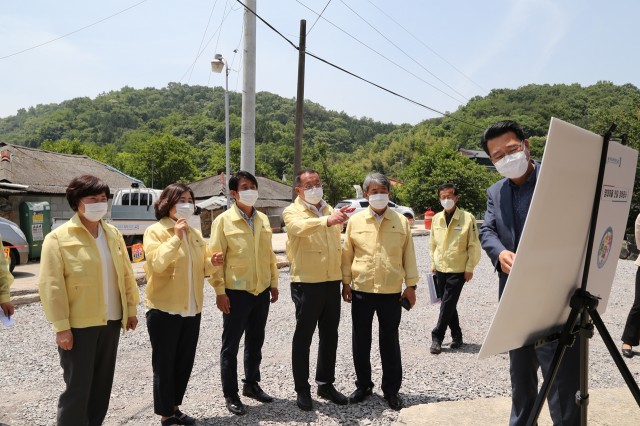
x=177, y=133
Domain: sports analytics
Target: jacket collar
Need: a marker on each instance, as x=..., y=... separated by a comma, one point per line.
x=370, y=215
x=167, y=223
x=302, y=206
x=75, y=222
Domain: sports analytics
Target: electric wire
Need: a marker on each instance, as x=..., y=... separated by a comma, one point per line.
x=316, y=21
x=444, y=114
x=72, y=32
x=428, y=47
x=385, y=58
x=401, y=50
x=204, y=34
x=205, y=46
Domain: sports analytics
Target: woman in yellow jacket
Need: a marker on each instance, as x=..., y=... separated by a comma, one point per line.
x=6, y=279
x=88, y=293
x=177, y=263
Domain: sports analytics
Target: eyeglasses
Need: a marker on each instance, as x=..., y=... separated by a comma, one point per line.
x=316, y=186
x=509, y=151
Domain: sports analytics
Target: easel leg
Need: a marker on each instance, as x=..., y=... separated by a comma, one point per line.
x=617, y=358
x=566, y=339
x=582, y=395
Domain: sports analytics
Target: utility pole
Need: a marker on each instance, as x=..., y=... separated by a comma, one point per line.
x=297, y=143
x=248, y=135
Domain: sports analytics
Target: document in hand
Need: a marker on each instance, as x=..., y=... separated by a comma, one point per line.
x=6, y=321
x=431, y=285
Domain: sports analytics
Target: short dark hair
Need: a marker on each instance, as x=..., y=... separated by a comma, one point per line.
x=85, y=186
x=448, y=186
x=234, y=180
x=298, y=177
x=499, y=129
x=169, y=198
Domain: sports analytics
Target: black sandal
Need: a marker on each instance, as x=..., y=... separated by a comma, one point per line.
x=183, y=418
x=170, y=421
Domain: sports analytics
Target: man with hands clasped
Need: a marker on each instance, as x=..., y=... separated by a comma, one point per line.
x=377, y=257
x=244, y=286
x=313, y=249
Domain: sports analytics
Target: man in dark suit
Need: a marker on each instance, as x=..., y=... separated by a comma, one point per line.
x=507, y=206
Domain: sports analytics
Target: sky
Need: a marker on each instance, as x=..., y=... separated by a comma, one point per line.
x=438, y=54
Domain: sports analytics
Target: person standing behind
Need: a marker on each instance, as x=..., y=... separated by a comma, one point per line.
x=454, y=249
x=507, y=207
x=631, y=333
x=243, y=286
x=6, y=279
x=88, y=293
x=313, y=249
x=177, y=263
x=377, y=256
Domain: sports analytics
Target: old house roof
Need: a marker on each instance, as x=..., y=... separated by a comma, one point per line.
x=37, y=171
x=268, y=189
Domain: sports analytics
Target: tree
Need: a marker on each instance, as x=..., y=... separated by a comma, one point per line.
x=437, y=163
x=338, y=177
x=159, y=161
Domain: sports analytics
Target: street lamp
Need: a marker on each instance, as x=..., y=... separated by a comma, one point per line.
x=217, y=65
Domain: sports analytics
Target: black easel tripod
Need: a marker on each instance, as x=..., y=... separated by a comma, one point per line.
x=585, y=305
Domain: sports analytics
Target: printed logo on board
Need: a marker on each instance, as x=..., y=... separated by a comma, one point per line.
x=605, y=247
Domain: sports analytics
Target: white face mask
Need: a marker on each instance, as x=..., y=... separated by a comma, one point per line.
x=379, y=201
x=313, y=195
x=447, y=203
x=184, y=210
x=248, y=197
x=95, y=211
x=513, y=166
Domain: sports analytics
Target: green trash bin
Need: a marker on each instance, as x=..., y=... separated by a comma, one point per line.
x=35, y=222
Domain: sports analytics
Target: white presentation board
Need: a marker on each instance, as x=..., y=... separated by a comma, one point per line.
x=549, y=260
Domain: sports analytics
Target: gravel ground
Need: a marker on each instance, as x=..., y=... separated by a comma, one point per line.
x=31, y=377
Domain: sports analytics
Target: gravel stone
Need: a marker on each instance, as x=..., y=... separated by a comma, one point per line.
x=31, y=377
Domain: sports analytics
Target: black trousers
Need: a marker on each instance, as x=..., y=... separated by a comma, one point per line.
x=388, y=309
x=631, y=333
x=174, y=339
x=248, y=316
x=524, y=364
x=449, y=286
x=316, y=304
x=88, y=370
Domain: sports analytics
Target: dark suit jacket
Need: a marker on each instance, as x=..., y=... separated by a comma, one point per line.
x=497, y=232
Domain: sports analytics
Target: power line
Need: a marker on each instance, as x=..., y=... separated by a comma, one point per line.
x=202, y=40
x=72, y=32
x=391, y=91
x=316, y=21
x=356, y=75
x=401, y=50
x=428, y=47
x=384, y=57
x=205, y=46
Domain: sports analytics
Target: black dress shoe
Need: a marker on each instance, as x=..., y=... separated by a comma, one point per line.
x=394, y=400
x=627, y=352
x=253, y=390
x=456, y=343
x=360, y=394
x=184, y=419
x=304, y=401
x=234, y=405
x=328, y=391
x=436, y=347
